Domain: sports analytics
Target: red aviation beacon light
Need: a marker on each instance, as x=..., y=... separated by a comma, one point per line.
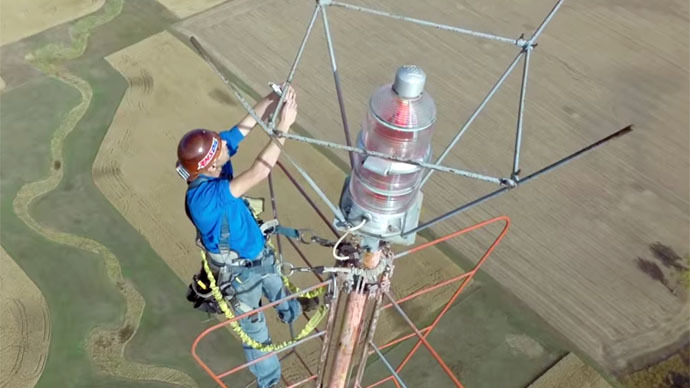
x=399, y=123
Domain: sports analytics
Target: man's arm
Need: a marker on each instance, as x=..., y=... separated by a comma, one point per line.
x=263, y=109
x=268, y=157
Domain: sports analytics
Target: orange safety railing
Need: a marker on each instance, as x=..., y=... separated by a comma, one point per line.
x=217, y=377
x=421, y=334
x=465, y=278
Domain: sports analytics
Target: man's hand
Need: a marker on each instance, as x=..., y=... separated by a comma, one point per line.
x=288, y=114
x=264, y=109
x=269, y=155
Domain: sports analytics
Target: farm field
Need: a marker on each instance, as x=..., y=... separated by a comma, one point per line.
x=22, y=18
x=25, y=330
x=581, y=235
x=590, y=286
x=157, y=109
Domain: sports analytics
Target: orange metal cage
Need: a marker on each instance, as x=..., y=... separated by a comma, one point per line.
x=421, y=334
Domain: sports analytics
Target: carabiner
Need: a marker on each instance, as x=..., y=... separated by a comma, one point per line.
x=289, y=272
x=306, y=236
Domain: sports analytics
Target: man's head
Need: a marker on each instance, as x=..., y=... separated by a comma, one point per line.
x=201, y=151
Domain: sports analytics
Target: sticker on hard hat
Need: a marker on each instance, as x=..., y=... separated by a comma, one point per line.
x=209, y=155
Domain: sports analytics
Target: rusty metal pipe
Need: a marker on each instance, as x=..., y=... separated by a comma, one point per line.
x=348, y=339
x=350, y=333
x=330, y=324
x=370, y=338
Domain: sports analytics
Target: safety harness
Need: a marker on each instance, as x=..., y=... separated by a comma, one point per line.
x=211, y=289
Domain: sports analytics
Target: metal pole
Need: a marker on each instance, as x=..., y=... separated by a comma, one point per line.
x=360, y=329
x=336, y=78
x=545, y=22
x=265, y=356
x=356, y=305
x=382, y=155
x=305, y=175
x=521, y=181
x=466, y=278
x=306, y=196
x=370, y=338
x=521, y=110
x=423, y=339
x=294, y=65
x=297, y=384
x=388, y=365
x=429, y=24
x=401, y=339
x=348, y=338
x=263, y=125
x=274, y=206
x=281, y=358
x=304, y=258
x=476, y=112
x=301, y=360
x=323, y=358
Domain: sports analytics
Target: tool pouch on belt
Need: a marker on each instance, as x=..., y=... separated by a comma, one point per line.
x=200, y=295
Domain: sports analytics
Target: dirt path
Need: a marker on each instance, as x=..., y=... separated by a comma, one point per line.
x=105, y=345
x=24, y=328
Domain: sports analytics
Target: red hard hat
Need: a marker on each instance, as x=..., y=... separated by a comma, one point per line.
x=197, y=150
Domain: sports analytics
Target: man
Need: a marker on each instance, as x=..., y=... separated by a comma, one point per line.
x=234, y=243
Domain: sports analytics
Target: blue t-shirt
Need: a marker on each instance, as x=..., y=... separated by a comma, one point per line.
x=210, y=201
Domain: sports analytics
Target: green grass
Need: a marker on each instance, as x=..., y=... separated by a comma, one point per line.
x=169, y=324
x=76, y=302
x=73, y=281
x=673, y=372
x=138, y=20
x=49, y=57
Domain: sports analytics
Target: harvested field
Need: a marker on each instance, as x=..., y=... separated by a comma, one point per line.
x=184, y=8
x=570, y=372
x=572, y=255
x=24, y=327
x=172, y=90
x=22, y=18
